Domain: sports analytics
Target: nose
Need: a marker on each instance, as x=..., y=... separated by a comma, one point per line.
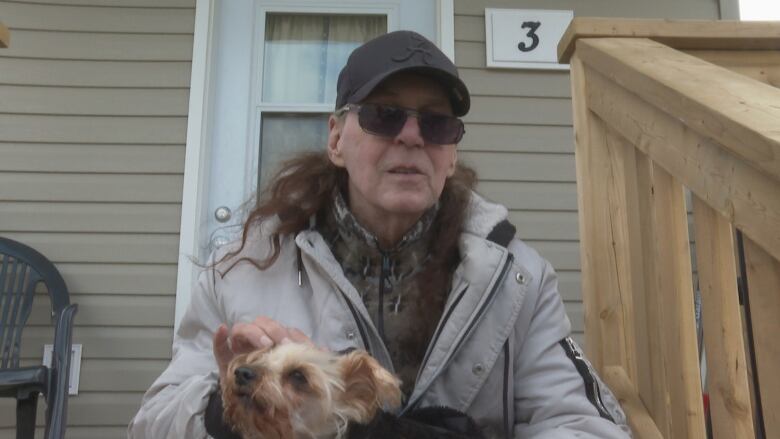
x=410, y=133
x=244, y=376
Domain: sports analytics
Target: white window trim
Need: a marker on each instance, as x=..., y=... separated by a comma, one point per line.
x=252, y=160
x=197, y=149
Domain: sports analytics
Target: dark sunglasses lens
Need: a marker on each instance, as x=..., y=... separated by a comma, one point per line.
x=440, y=129
x=381, y=120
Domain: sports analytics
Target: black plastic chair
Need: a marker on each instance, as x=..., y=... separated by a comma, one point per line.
x=21, y=269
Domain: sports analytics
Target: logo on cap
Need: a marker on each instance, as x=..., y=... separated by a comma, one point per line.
x=418, y=49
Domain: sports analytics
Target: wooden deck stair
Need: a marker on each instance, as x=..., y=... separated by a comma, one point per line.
x=660, y=108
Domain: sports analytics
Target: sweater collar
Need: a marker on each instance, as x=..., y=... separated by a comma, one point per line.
x=349, y=227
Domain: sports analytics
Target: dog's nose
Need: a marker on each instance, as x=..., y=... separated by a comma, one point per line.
x=244, y=376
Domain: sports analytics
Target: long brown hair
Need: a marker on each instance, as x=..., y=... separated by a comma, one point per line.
x=303, y=186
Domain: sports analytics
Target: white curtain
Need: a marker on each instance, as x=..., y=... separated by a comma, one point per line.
x=301, y=62
x=304, y=53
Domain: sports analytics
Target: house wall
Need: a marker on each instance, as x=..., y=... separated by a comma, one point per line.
x=519, y=134
x=93, y=115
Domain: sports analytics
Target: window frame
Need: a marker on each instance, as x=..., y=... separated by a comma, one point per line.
x=318, y=8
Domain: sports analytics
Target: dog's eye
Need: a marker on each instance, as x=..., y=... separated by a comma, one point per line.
x=297, y=377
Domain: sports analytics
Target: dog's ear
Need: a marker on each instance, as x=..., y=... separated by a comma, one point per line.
x=368, y=387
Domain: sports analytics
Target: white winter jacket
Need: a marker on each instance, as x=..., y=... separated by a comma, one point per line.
x=500, y=353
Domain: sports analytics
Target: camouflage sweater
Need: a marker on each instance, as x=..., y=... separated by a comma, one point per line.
x=387, y=280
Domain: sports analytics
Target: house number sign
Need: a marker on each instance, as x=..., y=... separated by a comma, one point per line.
x=525, y=38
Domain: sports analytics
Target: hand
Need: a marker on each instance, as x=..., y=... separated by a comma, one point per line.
x=262, y=333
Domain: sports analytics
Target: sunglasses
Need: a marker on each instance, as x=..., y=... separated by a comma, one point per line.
x=387, y=121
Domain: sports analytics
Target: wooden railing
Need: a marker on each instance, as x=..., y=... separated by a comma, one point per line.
x=656, y=119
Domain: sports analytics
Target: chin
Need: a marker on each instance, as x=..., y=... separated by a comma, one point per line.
x=297, y=391
x=412, y=204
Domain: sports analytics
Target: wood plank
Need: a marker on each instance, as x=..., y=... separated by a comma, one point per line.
x=517, y=138
x=680, y=34
x=521, y=167
x=103, y=247
x=63, y=157
x=118, y=3
x=95, y=217
x=470, y=55
x=514, y=110
x=5, y=36
x=93, y=129
x=602, y=8
x=761, y=65
x=727, y=378
x=92, y=101
x=120, y=188
x=599, y=353
x=21, y=71
x=105, y=342
x=563, y=255
x=51, y=17
x=745, y=195
x=652, y=382
x=101, y=375
x=528, y=83
x=763, y=276
x=574, y=310
x=470, y=28
x=137, y=375
x=80, y=432
x=135, y=279
x=742, y=116
x=675, y=288
x=642, y=424
x=109, y=47
x=111, y=310
x=88, y=409
x=541, y=225
x=531, y=195
x=569, y=286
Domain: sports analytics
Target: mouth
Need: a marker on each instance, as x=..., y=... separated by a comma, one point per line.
x=405, y=170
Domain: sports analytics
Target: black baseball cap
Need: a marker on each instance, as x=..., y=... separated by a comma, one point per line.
x=399, y=51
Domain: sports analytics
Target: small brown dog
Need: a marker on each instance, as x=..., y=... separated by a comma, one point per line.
x=296, y=391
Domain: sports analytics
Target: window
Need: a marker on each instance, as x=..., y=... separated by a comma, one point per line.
x=302, y=57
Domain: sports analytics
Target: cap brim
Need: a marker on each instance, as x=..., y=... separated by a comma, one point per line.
x=459, y=94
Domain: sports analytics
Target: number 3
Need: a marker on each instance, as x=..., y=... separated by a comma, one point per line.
x=532, y=26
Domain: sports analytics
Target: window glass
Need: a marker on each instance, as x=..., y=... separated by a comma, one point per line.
x=302, y=58
x=303, y=54
x=284, y=134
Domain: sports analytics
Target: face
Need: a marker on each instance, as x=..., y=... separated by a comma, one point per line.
x=398, y=177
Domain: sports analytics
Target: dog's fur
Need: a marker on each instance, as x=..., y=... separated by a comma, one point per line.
x=295, y=391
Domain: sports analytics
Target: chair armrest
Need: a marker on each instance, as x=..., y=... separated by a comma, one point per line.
x=59, y=374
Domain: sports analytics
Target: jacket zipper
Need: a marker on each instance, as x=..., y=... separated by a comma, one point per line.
x=439, y=328
x=480, y=312
x=380, y=308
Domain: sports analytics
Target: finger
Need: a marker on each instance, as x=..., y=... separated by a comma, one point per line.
x=222, y=352
x=272, y=328
x=248, y=337
x=297, y=336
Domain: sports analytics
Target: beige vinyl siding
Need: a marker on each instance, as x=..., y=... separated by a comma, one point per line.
x=93, y=115
x=519, y=133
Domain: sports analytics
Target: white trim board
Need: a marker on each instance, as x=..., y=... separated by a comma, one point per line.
x=445, y=32
x=196, y=156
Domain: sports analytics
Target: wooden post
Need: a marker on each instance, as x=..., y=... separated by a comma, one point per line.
x=731, y=411
x=763, y=278
x=675, y=290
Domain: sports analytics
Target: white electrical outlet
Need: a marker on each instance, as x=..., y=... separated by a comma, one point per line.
x=75, y=365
